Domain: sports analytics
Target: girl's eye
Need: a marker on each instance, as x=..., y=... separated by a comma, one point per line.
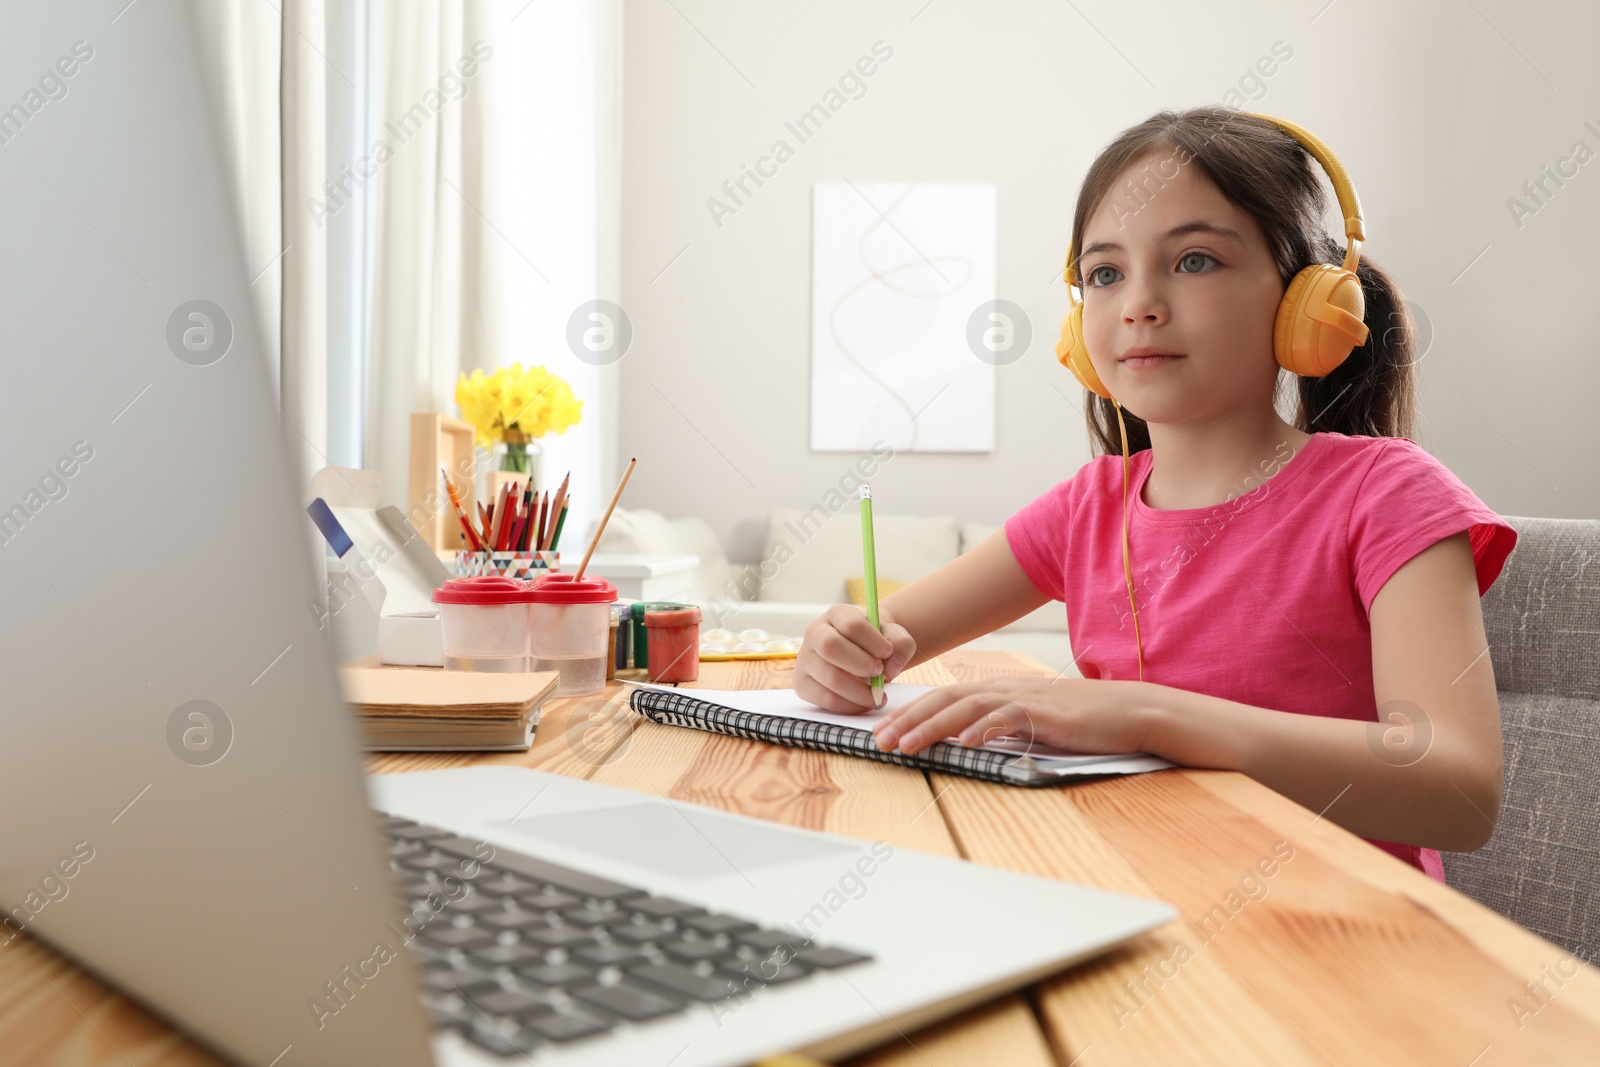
x=1191, y=256
x=1095, y=274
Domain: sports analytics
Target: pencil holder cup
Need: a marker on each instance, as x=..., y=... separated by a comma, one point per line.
x=519, y=565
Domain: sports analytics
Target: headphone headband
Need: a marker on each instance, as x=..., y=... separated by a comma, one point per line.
x=1343, y=189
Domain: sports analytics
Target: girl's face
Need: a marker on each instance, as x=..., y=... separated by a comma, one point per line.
x=1188, y=273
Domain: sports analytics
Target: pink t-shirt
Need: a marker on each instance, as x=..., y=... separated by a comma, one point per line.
x=1263, y=599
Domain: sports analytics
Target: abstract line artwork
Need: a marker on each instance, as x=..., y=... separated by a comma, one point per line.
x=898, y=270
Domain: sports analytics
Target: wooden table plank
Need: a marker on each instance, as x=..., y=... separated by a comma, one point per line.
x=1308, y=964
x=1003, y=1033
x=815, y=790
x=1341, y=954
x=53, y=1014
x=1524, y=952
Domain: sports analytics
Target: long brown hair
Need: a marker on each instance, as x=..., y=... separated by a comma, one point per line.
x=1266, y=172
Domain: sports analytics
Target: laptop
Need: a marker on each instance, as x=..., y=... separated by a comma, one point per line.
x=181, y=791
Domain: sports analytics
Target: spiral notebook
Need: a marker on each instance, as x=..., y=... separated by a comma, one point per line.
x=781, y=717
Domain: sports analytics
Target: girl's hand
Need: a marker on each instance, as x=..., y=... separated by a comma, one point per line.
x=1086, y=715
x=841, y=652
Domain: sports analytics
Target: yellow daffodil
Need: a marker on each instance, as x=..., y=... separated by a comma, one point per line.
x=517, y=405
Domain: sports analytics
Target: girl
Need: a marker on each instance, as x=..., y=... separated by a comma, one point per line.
x=1304, y=602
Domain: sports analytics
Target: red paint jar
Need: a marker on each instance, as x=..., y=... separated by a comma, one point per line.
x=674, y=638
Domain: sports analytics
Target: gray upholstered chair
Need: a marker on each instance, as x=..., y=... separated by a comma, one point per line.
x=1542, y=616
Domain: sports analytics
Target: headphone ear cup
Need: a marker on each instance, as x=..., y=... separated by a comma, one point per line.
x=1074, y=354
x=1319, y=320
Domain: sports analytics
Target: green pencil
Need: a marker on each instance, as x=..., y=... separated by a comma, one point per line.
x=871, y=577
x=561, y=520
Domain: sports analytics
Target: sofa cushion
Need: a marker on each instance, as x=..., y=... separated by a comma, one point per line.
x=808, y=555
x=1538, y=869
x=1540, y=616
x=637, y=531
x=1540, y=619
x=640, y=531
x=1049, y=616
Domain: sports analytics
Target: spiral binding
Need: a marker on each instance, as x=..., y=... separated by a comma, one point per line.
x=681, y=709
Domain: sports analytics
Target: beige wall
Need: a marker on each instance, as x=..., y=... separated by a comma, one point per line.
x=1440, y=120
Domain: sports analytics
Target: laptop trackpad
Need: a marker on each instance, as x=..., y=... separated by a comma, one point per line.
x=675, y=841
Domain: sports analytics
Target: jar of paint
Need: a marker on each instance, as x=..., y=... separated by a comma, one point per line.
x=674, y=643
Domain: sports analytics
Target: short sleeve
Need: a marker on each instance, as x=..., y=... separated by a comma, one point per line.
x=1037, y=535
x=1408, y=501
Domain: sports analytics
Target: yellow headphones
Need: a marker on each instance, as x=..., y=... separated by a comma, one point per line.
x=1318, y=324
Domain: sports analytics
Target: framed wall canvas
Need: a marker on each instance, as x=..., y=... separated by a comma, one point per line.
x=899, y=272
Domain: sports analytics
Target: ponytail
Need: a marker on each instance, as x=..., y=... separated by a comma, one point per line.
x=1373, y=392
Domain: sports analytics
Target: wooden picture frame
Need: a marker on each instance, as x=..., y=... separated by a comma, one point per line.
x=439, y=440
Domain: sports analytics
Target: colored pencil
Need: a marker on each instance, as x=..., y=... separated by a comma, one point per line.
x=544, y=511
x=604, y=518
x=499, y=517
x=513, y=495
x=555, y=510
x=514, y=516
x=870, y=577
x=515, y=538
x=526, y=528
x=461, y=515
x=555, y=538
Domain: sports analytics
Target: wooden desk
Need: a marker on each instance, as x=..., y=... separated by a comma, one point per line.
x=1342, y=955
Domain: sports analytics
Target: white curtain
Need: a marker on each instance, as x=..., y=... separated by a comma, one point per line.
x=271, y=87
x=558, y=247
x=493, y=171
x=264, y=61
x=497, y=220
x=303, y=98
x=437, y=290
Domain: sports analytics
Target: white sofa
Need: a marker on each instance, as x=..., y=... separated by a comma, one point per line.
x=805, y=562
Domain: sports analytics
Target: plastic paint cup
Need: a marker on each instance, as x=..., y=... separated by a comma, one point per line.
x=484, y=623
x=569, y=624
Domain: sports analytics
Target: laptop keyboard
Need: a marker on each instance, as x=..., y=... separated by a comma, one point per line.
x=520, y=953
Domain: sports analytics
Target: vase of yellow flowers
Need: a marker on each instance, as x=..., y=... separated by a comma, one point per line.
x=517, y=451
x=512, y=409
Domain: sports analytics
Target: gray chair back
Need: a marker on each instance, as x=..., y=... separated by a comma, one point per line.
x=1542, y=617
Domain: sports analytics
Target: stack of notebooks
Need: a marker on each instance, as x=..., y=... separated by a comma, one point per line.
x=425, y=709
